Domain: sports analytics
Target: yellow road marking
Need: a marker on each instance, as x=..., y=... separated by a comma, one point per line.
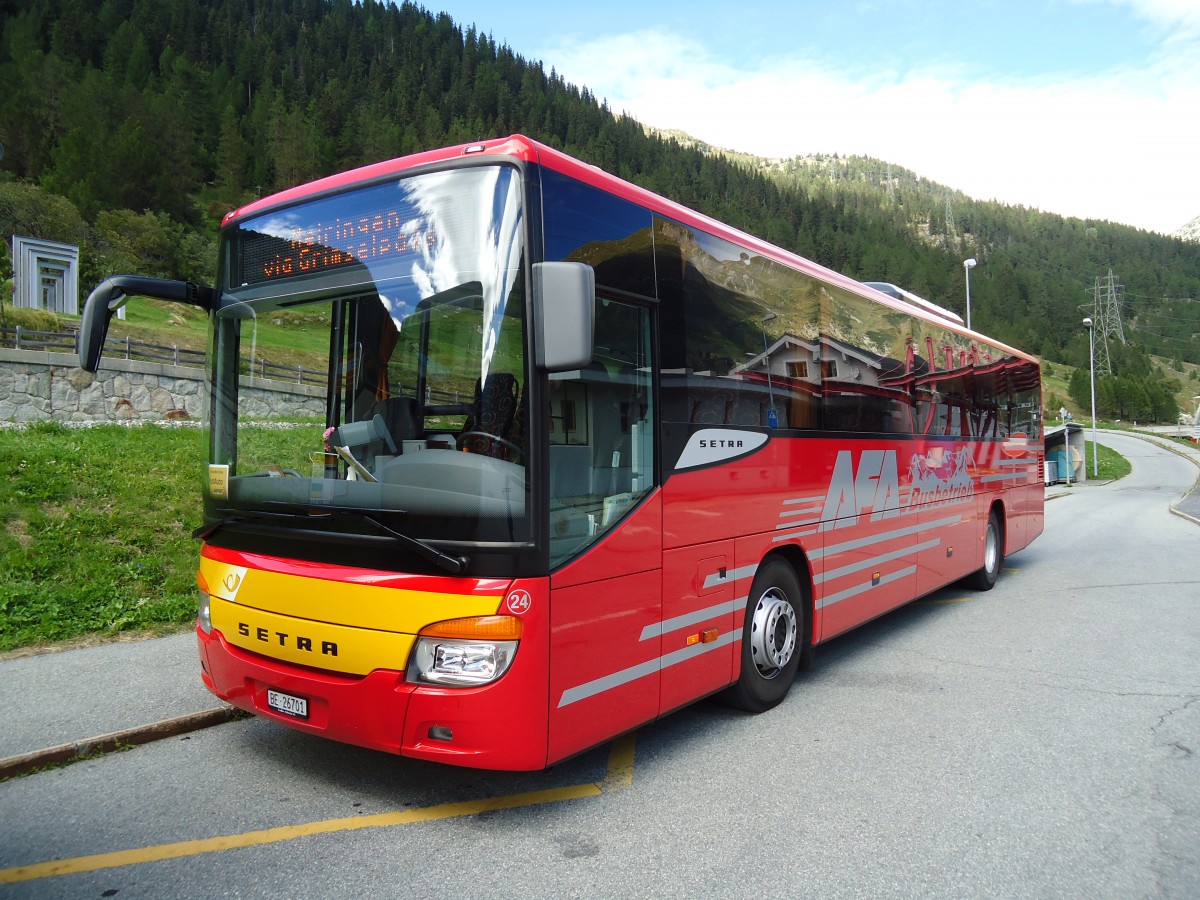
x=618, y=776
x=620, y=764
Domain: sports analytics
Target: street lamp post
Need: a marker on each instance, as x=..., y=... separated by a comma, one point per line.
x=968, y=265
x=1091, y=327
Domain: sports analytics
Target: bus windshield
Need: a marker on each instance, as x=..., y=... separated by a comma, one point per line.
x=369, y=362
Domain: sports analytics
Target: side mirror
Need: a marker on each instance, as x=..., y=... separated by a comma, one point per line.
x=112, y=293
x=564, y=307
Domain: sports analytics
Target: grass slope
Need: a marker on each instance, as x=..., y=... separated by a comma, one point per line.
x=97, y=530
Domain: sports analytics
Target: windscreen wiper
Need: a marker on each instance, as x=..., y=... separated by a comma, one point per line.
x=455, y=565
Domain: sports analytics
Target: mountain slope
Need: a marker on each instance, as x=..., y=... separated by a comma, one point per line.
x=1190, y=231
x=164, y=114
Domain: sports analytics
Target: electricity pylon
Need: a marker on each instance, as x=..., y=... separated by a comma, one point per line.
x=1106, y=313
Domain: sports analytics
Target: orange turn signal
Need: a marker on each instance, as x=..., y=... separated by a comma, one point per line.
x=476, y=628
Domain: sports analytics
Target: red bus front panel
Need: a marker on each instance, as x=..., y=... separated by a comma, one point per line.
x=273, y=652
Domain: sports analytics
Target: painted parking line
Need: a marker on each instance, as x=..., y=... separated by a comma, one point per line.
x=618, y=776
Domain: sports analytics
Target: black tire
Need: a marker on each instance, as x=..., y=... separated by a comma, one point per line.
x=984, y=579
x=773, y=636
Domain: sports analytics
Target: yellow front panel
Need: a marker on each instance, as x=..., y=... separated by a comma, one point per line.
x=337, y=648
x=344, y=603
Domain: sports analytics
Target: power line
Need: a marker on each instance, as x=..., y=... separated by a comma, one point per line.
x=1185, y=341
x=1164, y=316
x=1162, y=299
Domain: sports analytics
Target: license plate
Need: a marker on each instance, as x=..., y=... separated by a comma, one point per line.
x=296, y=707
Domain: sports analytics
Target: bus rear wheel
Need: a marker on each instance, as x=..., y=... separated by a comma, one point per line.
x=984, y=578
x=772, y=634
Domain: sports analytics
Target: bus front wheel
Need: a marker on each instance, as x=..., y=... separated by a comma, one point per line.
x=772, y=634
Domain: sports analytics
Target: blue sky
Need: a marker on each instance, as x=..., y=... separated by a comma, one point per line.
x=1081, y=107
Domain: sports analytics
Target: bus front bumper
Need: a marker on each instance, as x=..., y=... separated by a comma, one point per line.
x=492, y=727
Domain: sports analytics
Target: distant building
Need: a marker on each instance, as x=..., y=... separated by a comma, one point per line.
x=45, y=275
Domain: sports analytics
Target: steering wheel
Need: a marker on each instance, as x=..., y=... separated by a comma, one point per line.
x=494, y=439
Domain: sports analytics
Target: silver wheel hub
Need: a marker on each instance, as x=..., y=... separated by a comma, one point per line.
x=991, y=550
x=773, y=633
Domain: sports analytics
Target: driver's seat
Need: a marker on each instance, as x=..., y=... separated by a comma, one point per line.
x=493, y=412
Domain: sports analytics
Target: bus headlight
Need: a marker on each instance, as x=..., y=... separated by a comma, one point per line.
x=465, y=652
x=203, y=606
x=204, y=613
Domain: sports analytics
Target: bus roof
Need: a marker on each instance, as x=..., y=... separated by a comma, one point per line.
x=526, y=149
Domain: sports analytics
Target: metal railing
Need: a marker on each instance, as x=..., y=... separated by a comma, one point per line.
x=294, y=374
x=20, y=338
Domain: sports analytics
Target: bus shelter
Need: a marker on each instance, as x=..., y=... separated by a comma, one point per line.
x=1066, y=454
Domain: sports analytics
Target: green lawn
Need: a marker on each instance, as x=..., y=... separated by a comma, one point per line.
x=97, y=530
x=1110, y=464
x=97, y=527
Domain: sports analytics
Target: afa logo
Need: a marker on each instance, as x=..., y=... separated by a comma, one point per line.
x=873, y=488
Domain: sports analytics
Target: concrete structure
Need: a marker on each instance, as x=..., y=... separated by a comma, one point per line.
x=45, y=275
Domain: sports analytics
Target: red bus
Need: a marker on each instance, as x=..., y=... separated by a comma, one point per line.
x=575, y=457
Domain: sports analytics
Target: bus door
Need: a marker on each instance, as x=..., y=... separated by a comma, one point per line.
x=605, y=537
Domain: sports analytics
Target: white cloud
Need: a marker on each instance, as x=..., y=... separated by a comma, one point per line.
x=1172, y=14
x=1117, y=147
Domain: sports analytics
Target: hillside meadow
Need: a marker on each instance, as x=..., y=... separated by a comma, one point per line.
x=97, y=528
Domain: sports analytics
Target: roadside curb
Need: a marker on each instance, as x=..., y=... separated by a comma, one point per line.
x=1177, y=507
x=25, y=763
x=1177, y=510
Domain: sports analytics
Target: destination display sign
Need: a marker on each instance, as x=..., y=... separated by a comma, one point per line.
x=322, y=245
x=410, y=228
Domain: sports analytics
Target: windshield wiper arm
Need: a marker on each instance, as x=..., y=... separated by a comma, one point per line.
x=455, y=565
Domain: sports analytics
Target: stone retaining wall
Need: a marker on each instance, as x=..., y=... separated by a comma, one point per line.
x=38, y=386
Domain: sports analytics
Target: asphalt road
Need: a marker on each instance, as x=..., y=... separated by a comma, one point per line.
x=1039, y=740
